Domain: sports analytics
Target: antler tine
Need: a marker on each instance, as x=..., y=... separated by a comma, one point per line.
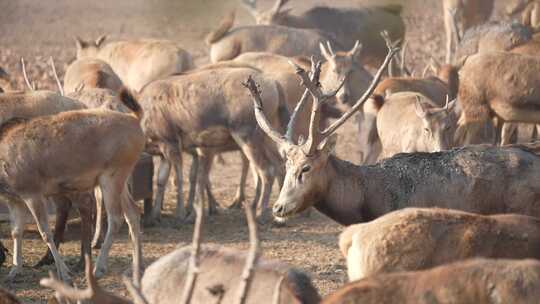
x=69, y=292
x=392, y=50
x=193, y=268
x=279, y=4
x=329, y=46
x=136, y=294
x=255, y=92
x=291, y=126
x=252, y=257
x=403, y=53
x=447, y=102
x=31, y=86
x=58, y=83
x=277, y=291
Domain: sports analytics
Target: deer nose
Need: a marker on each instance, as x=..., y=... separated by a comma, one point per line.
x=278, y=209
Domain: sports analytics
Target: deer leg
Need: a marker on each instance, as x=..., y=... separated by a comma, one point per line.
x=193, y=176
x=205, y=166
x=111, y=196
x=507, y=131
x=132, y=216
x=36, y=205
x=85, y=203
x=16, y=215
x=180, y=211
x=162, y=179
x=63, y=205
x=240, y=191
x=97, y=240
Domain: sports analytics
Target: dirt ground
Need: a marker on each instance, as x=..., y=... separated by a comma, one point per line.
x=39, y=29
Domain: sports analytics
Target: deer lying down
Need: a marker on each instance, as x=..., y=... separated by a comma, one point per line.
x=226, y=44
x=74, y=152
x=410, y=122
x=360, y=23
x=481, y=179
x=481, y=281
x=138, y=62
x=7, y=298
x=502, y=89
x=91, y=73
x=415, y=239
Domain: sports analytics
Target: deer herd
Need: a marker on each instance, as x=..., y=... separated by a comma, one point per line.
x=444, y=206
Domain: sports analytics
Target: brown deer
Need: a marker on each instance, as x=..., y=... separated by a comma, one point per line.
x=422, y=125
x=219, y=119
x=503, y=91
x=421, y=238
x=226, y=44
x=346, y=24
x=472, y=281
x=460, y=15
x=471, y=179
x=91, y=73
x=74, y=152
x=7, y=298
x=138, y=62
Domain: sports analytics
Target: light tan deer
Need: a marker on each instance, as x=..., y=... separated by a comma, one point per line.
x=421, y=238
x=90, y=73
x=473, y=281
x=227, y=43
x=353, y=194
x=138, y=62
x=410, y=122
x=73, y=151
x=460, y=15
x=361, y=23
x=209, y=113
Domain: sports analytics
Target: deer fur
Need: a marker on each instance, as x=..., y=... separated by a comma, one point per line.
x=462, y=15
x=138, y=62
x=37, y=145
x=7, y=298
x=503, y=91
x=423, y=125
x=421, y=238
x=5, y=81
x=362, y=23
x=226, y=44
x=480, y=281
x=205, y=112
x=91, y=73
x=528, y=12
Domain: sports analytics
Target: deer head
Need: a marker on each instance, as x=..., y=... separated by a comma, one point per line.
x=437, y=124
x=341, y=64
x=275, y=15
x=306, y=160
x=87, y=49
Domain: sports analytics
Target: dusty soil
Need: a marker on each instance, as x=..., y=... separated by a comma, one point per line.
x=39, y=29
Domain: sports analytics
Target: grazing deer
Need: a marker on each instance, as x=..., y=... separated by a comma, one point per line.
x=226, y=44
x=461, y=15
x=528, y=11
x=74, y=152
x=346, y=24
x=471, y=179
x=138, y=62
x=421, y=238
x=504, y=91
x=206, y=112
x=422, y=125
x=91, y=73
x=7, y=298
x=480, y=281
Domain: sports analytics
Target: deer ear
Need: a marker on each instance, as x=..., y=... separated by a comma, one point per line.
x=324, y=52
x=81, y=44
x=328, y=145
x=100, y=40
x=419, y=108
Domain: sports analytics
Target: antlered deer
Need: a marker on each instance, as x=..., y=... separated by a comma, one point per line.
x=472, y=179
x=472, y=281
x=138, y=62
x=226, y=44
x=74, y=152
x=348, y=25
x=460, y=15
x=422, y=238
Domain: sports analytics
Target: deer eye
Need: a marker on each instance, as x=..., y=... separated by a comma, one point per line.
x=426, y=130
x=306, y=169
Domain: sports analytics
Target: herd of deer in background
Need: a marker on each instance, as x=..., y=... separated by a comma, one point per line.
x=458, y=179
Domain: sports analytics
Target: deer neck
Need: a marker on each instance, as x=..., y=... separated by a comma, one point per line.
x=343, y=199
x=295, y=22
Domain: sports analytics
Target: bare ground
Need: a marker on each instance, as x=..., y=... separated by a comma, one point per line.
x=39, y=29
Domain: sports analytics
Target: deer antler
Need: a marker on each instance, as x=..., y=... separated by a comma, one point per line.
x=277, y=291
x=251, y=259
x=58, y=83
x=278, y=5
x=193, y=270
x=136, y=294
x=31, y=86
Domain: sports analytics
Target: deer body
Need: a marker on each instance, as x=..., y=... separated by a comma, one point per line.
x=138, y=62
x=92, y=73
x=471, y=281
x=415, y=239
